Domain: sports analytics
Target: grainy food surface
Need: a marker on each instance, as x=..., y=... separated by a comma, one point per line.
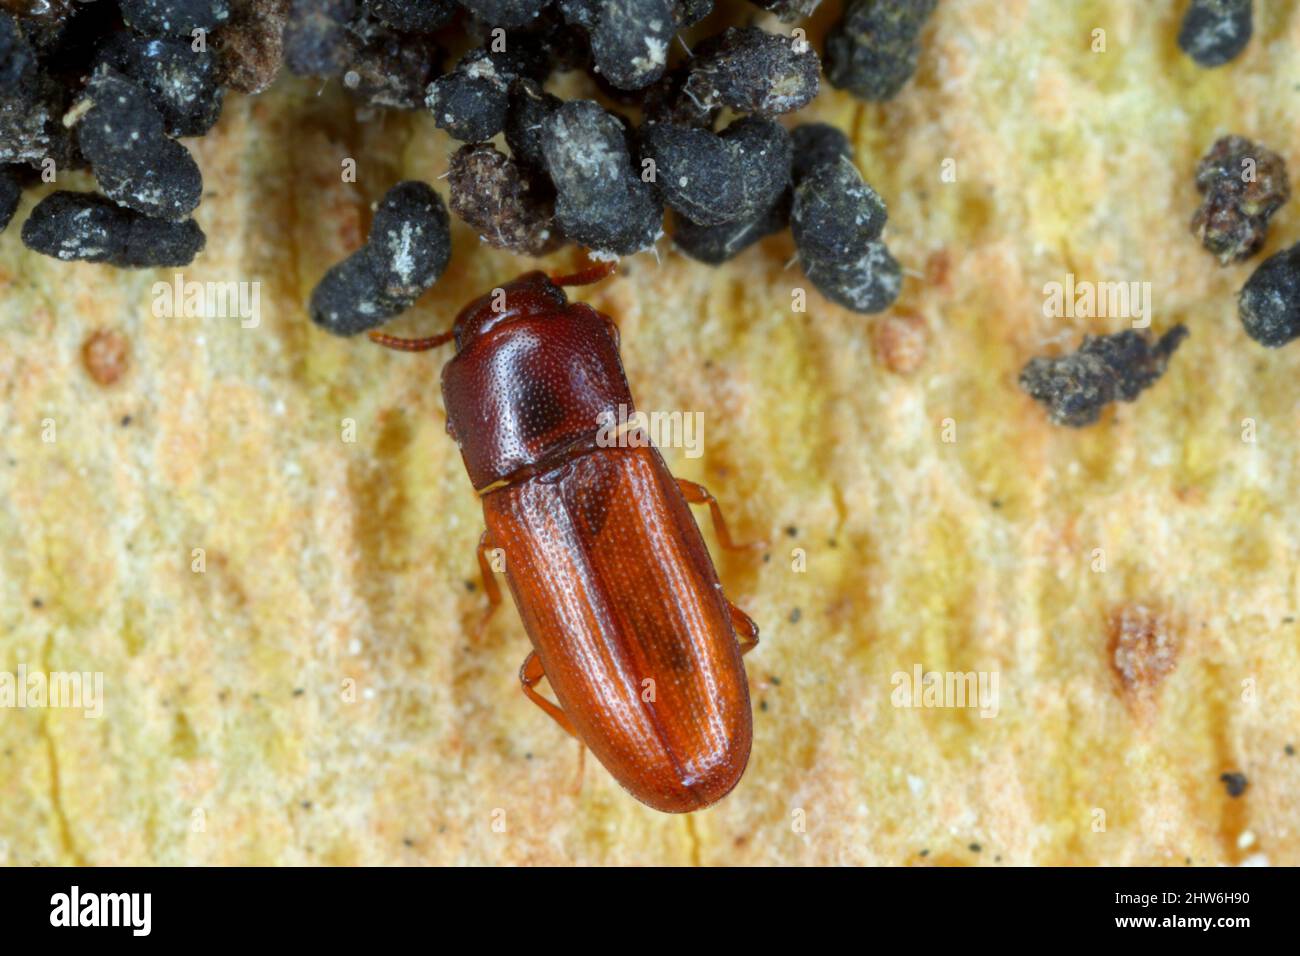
x=263, y=539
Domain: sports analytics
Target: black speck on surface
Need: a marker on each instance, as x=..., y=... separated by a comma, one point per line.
x=1234, y=782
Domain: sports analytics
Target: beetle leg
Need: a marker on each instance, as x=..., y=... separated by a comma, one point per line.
x=745, y=627
x=490, y=586
x=529, y=674
x=699, y=495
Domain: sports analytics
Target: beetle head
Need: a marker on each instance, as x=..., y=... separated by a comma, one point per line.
x=532, y=293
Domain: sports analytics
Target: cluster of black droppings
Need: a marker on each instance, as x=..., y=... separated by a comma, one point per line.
x=1270, y=301
x=88, y=227
x=873, y=50
x=11, y=191
x=406, y=253
x=391, y=69
x=714, y=245
x=123, y=137
x=789, y=10
x=411, y=16
x=1243, y=184
x=753, y=71
x=836, y=220
x=1216, y=31
x=1105, y=369
x=183, y=81
x=510, y=208
x=601, y=201
x=712, y=179
x=317, y=38
x=505, y=13
x=174, y=18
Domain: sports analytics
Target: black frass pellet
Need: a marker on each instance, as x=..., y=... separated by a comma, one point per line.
x=505, y=13
x=392, y=69
x=174, y=18
x=89, y=227
x=317, y=41
x=873, y=50
x=1076, y=387
x=601, y=201
x=508, y=208
x=529, y=108
x=411, y=16
x=1243, y=184
x=630, y=40
x=753, y=71
x=406, y=253
x=816, y=145
x=1214, y=32
x=183, y=81
x=836, y=220
x=1269, y=306
x=712, y=179
x=471, y=102
x=11, y=191
x=836, y=213
x=714, y=245
x=696, y=172
x=123, y=138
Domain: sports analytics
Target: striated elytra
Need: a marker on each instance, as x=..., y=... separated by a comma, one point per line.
x=608, y=568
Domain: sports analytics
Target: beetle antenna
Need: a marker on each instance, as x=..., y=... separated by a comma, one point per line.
x=588, y=275
x=410, y=345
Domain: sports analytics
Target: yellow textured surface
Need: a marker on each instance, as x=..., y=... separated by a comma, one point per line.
x=226, y=737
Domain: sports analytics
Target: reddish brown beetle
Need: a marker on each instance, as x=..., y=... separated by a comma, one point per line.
x=609, y=571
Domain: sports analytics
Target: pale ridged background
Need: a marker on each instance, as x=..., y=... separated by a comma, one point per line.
x=329, y=561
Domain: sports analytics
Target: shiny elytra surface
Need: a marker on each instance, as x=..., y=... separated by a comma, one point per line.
x=623, y=606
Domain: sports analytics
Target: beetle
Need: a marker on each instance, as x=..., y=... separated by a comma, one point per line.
x=606, y=564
